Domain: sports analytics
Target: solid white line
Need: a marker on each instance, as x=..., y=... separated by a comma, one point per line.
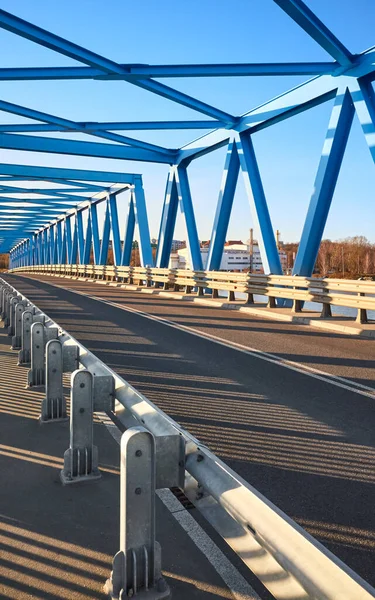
x=341, y=382
x=235, y=582
x=335, y=380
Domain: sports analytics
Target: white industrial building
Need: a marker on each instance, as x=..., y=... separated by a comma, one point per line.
x=236, y=257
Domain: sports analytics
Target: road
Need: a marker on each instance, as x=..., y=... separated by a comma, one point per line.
x=303, y=438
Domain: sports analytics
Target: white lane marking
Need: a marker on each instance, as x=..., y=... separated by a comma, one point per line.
x=336, y=380
x=235, y=582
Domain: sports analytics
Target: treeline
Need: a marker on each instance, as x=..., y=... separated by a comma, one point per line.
x=4, y=261
x=350, y=258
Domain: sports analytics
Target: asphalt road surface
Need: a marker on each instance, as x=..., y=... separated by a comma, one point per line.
x=301, y=431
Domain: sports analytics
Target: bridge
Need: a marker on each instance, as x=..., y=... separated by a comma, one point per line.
x=180, y=433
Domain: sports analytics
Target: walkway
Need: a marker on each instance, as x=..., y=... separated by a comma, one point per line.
x=302, y=438
x=58, y=542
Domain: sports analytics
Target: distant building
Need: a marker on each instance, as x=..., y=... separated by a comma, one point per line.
x=176, y=244
x=236, y=257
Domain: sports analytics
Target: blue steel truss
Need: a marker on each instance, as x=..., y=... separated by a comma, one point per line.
x=51, y=227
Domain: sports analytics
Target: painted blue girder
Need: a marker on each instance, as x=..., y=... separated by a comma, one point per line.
x=224, y=207
x=161, y=71
x=49, y=173
x=69, y=125
x=129, y=232
x=301, y=14
x=325, y=182
x=258, y=205
x=80, y=148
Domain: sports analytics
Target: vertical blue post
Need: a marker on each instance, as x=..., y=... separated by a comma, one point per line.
x=258, y=205
x=113, y=214
x=73, y=259
x=224, y=207
x=64, y=253
x=145, y=251
x=129, y=233
x=186, y=206
x=68, y=240
x=93, y=216
x=59, y=242
x=80, y=238
x=168, y=221
x=87, y=246
x=45, y=246
x=325, y=182
x=105, y=238
x=364, y=101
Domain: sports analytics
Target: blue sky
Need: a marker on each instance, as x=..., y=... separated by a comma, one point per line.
x=202, y=31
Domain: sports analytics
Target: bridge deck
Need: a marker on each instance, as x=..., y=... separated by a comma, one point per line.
x=302, y=438
x=58, y=542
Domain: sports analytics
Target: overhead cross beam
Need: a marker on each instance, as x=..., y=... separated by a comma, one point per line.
x=305, y=18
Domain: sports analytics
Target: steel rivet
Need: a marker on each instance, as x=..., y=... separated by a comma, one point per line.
x=138, y=491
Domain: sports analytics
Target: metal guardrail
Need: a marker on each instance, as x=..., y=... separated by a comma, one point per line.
x=158, y=453
x=356, y=294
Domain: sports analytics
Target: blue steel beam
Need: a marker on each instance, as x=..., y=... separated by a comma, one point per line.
x=186, y=206
x=59, y=173
x=305, y=18
x=161, y=71
x=30, y=143
x=73, y=258
x=141, y=219
x=129, y=233
x=258, y=205
x=325, y=183
x=167, y=221
x=88, y=242
x=93, y=216
x=224, y=207
x=115, y=229
x=363, y=96
x=66, y=124
x=105, y=236
x=295, y=101
x=59, y=44
x=80, y=238
x=126, y=126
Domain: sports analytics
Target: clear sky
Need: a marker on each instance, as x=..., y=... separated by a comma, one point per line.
x=198, y=31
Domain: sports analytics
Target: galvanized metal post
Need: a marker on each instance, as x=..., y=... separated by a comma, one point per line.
x=137, y=565
x=53, y=405
x=24, y=355
x=17, y=337
x=36, y=374
x=81, y=458
x=12, y=313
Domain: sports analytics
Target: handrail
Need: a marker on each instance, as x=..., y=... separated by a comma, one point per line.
x=356, y=294
x=282, y=555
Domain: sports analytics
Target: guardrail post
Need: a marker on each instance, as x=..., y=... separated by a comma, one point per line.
x=36, y=377
x=81, y=458
x=28, y=318
x=137, y=565
x=6, y=311
x=326, y=311
x=12, y=313
x=53, y=405
x=297, y=306
x=17, y=337
x=362, y=316
x=271, y=302
x=36, y=374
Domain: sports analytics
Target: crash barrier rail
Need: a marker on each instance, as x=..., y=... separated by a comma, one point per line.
x=356, y=294
x=158, y=453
